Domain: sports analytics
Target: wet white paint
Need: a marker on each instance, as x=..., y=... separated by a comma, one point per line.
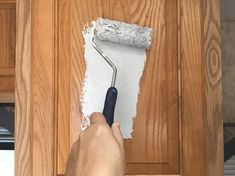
x=130, y=64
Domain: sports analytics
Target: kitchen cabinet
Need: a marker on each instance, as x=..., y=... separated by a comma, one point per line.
x=7, y=50
x=178, y=128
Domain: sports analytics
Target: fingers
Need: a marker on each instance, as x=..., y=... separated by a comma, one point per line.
x=117, y=133
x=97, y=118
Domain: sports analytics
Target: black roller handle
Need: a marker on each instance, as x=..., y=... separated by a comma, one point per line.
x=109, y=105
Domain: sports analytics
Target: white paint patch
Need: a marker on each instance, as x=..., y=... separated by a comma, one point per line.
x=130, y=64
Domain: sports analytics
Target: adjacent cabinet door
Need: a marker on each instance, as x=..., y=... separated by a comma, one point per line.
x=7, y=50
x=178, y=127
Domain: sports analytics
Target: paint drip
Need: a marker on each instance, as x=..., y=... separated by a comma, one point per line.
x=130, y=63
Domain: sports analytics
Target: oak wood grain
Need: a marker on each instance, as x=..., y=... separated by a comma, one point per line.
x=7, y=83
x=213, y=88
x=202, y=149
x=8, y=2
x=36, y=88
x=7, y=48
x=44, y=85
x=7, y=37
x=7, y=72
x=63, y=147
x=23, y=104
x=193, y=133
x=7, y=97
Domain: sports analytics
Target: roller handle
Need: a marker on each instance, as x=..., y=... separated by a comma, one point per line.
x=109, y=105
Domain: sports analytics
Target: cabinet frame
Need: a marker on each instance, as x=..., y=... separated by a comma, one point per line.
x=201, y=123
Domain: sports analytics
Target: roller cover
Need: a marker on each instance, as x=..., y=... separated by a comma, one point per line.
x=123, y=33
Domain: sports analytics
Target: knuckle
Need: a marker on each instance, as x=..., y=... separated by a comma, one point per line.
x=102, y=128
x=95, y=114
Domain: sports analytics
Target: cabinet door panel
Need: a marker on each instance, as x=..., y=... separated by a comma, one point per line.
x=7, y=49
x=154, y=148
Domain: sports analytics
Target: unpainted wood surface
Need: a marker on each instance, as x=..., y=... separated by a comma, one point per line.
x=202, y=149
x=194, y=150
x=8, y=2
x=213, y=88
x=7, y=97
x=23, y=104
x=44, y=92
x=7, y=36
x=63, y=145
x=156, y=125
x=7, y=47
x=36, y=94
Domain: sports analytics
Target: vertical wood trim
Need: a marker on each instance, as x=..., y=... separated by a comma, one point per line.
x=193, y=156
x=213, y=88
x=23, y=151
x=172, y=83
x=63, y=85
x=56, y=83
x=77, y=69
x=202, y=130
x=36, y=88
x=44, y=67
x=12, y=32
x=179, y=72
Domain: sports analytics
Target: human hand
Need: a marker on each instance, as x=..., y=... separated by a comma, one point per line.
x=99, y=150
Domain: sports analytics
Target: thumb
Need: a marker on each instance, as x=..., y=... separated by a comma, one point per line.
x=97, y=118
x=117, y=133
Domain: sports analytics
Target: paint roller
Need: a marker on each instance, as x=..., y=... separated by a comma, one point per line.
x=130, y=35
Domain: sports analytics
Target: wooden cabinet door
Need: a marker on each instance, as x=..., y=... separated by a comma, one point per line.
x=154, y=148
x=178, y=128
x=7, y=50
